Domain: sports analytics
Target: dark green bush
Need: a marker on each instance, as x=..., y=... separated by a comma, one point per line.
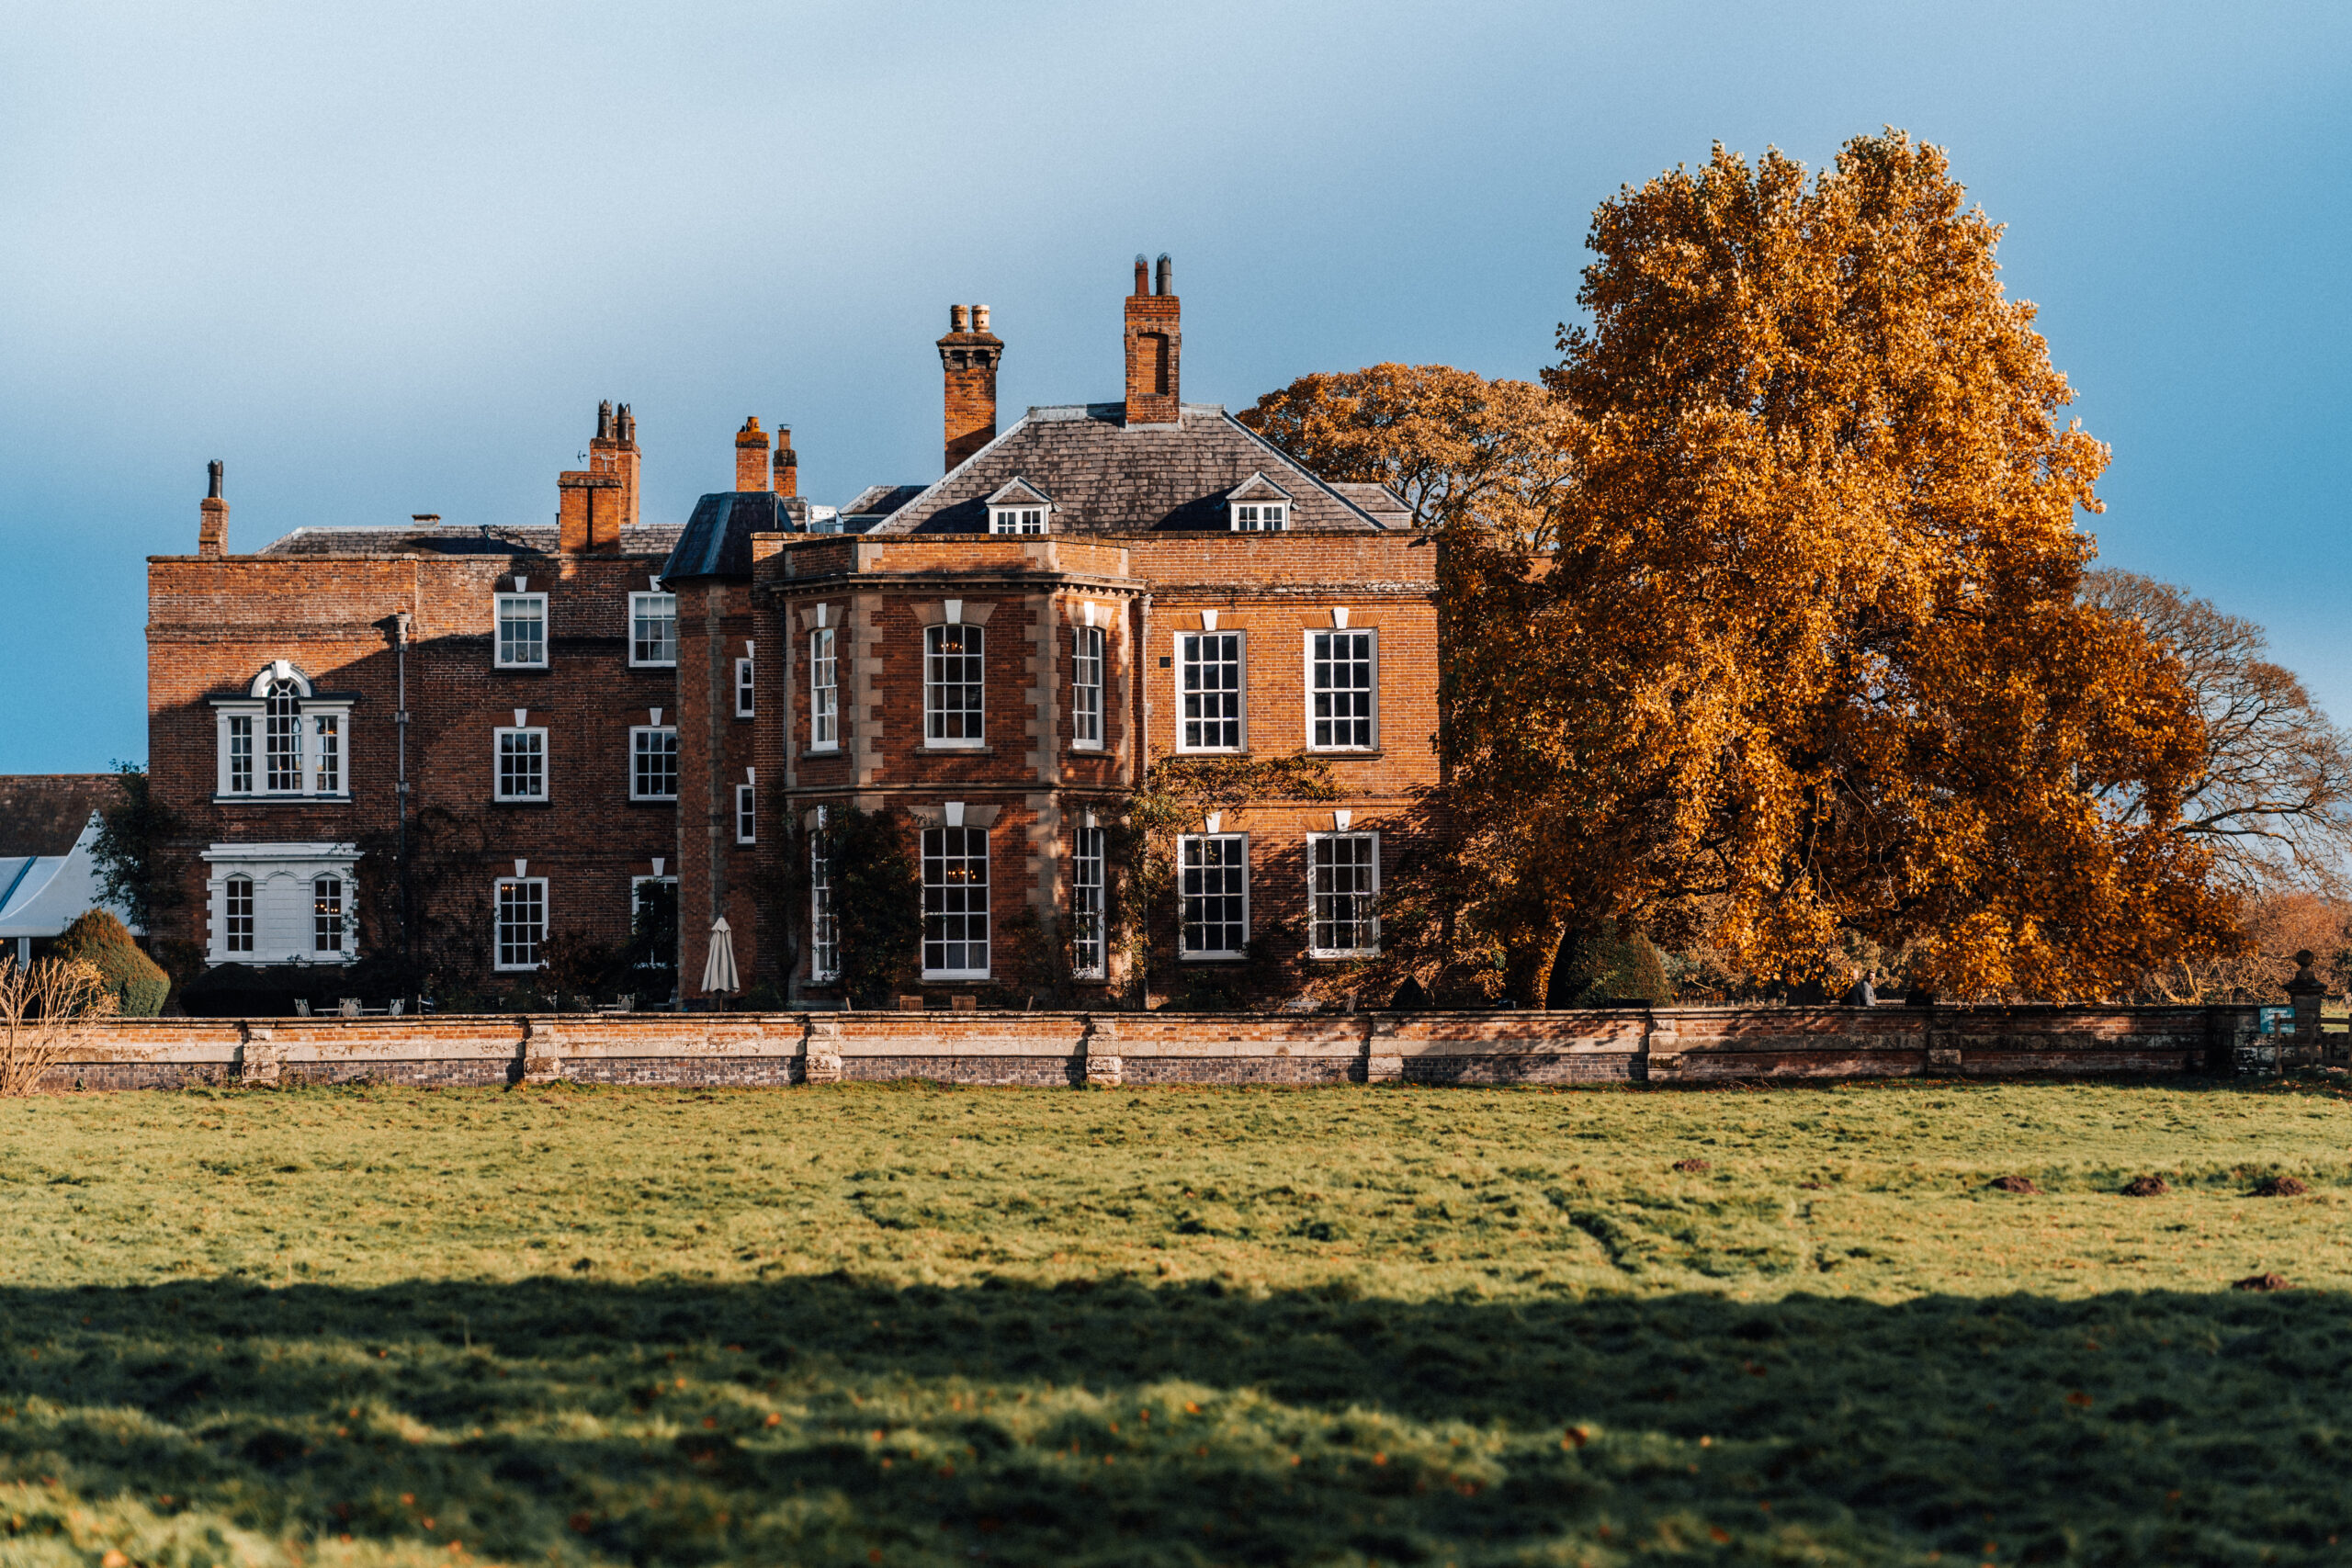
x=139, y=984
x=1609, y=966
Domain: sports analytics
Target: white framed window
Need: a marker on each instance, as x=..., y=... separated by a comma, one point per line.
x=1342, y=888
x=1342, y=690
x=954, y=690
x=1086, y=689
x=743, y=708
x=652, y=629
x=275, y=903
x=240, y=750
x=521, y=913
x=522, y=631
x=824, y=693
x=1210, y=671
x=326, y=754
x=1213, y=884
x=653, y=762
x=747, y=813
x=1089, y=944
x=824, y=927
x=956, y=904
x=326, y=914
x=1016, y=520
x=519, y=757
x=237, y=914
x=281, y=740
x=1260, y=517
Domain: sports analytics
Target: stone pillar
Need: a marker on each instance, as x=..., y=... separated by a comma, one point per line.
x=260, y=1058
x=2306, y=992
x=820, y=1050
x=1384, y=1060
x=1661, y=1049
x=1099, y=1052
x=538, y=1055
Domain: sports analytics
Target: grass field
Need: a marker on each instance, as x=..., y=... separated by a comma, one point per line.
x=920, y=1326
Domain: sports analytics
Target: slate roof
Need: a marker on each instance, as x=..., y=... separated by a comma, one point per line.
x=451, y=540
x=42, y=814
x=1107, y=477
x=717, y=541
x=875, y=503
x=1378, y=500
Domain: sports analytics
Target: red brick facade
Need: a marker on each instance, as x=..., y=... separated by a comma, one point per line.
x=1159, y=531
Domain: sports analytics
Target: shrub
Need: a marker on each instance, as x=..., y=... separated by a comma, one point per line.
x=138, y=983
x=1607, y=965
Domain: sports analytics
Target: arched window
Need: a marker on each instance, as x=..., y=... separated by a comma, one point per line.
x=237, y=914
x=282, y=737
x=326, y=914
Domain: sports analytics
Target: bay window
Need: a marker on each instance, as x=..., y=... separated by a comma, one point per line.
x=956, y=904
x=953, y=686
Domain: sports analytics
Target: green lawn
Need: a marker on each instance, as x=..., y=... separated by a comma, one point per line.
x=918, y=1325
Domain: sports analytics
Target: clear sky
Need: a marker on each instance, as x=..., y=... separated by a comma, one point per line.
x=385, y=259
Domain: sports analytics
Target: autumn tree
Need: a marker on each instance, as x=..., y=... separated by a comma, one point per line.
x=1806, y=659
x=2271, y=795
x=1451, y=442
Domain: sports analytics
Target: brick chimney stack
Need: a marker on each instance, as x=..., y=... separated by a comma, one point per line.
x=613, y=451
x=970, y=354
x=592, y=503
x=212, y=529
x=787, y=464
x=1155, y=343
x=750, y=456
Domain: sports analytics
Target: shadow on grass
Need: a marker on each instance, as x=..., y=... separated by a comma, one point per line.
x=827, y=1419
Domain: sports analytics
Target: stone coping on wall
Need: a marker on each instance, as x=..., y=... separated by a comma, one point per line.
x=1659, y=1045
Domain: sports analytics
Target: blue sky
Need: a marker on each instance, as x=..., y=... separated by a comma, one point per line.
x=385, y=260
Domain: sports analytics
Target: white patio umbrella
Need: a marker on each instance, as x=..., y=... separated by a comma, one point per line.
x=718, y=969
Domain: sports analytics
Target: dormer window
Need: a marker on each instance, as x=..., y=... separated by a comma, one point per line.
x=1019, y=507
x=1258, y=505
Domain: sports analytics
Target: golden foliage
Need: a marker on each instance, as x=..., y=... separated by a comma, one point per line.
x=1452, y=444
x=46, y=1011
x=1806, y=658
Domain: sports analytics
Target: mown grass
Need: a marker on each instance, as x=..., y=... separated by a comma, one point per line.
x=922, y=1325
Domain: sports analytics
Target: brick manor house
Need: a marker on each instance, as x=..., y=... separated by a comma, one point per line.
x=487, y=740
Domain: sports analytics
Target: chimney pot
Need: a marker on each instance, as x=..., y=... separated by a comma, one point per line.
x=213, y=516
x=750, y=456
x=613, y=452
x=594, y=505
x=969, y=359
x=1155, y=341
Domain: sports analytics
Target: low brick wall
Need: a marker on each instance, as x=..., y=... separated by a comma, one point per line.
x=1663, y=1045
